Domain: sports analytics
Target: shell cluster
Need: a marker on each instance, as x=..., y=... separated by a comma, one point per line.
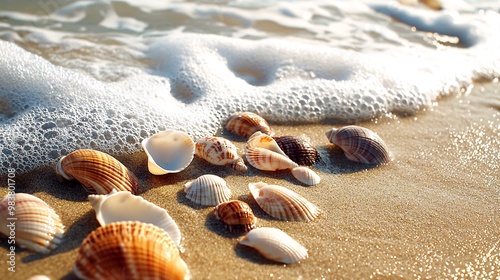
x=37, y=225
x=129, y=250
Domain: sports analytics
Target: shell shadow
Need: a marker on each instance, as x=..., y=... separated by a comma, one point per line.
x=334, y=161
x=182, y=199
x=73, y=237
x=218, y=227
x=252, y=255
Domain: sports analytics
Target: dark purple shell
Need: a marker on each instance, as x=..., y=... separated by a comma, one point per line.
x=298, y=149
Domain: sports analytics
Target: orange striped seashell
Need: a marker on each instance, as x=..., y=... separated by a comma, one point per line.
x=220, y=151
x=37, y=225
x=275, y=244
x=267, y=160
x=129, y=250
x=236, y=214
x=360, y=144
x=246, y=123
x=208, y=190
x=264, y=141
x=282, y=203
x=98, y=172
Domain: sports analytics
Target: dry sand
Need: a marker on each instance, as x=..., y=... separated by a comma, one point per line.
x=431, y=213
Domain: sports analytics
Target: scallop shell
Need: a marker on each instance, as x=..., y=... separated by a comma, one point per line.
x=298, y=149
x=34, y=224
x=246, y=123
x=283, y=203
x=168, y=151
x=208, y=190
x=360, y=144
x=236, y=214
x=98, y=172
x=124, y=206
x=129, y=250
x=267, y=160
x=220, y=151
x=274, y=244
x=306, y=175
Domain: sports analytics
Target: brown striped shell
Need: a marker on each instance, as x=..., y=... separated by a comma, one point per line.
x=220, y=151
x=283, y=203
x=36, y=225
x=236, y=214
x=298, y=149
x=360, y=144
x=98, y=172
x=275, y=244
x=246, y=123
x=208, y=190
x=129, y=250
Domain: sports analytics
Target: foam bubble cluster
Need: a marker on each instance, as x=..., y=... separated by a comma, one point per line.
x=194, y=82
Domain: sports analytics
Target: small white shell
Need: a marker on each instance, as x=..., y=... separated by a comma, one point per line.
x=306, y=175
x=275, y=245
x=283, y=203
x=208, y=190
x=124, y=206
x=168, y=151
x=37, y=225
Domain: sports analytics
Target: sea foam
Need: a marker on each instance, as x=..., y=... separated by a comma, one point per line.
x=193, y=82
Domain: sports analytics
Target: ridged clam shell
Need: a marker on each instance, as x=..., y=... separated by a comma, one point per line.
x=306, y=175
x=246, y=123
x=283, y=203
x=98, y=172
x=208, y=190
x=298, y=149
x=37, y=225
x=236, y=214
x=360, y=144
x=168, y=151
x=124, y=206
x=129, y=250
x=220, y=151
x=275, y=244
x=267, y=160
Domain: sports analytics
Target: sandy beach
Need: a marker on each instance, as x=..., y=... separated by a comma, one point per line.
x=431, y=213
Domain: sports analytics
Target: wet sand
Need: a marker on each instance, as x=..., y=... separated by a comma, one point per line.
x=431, y=213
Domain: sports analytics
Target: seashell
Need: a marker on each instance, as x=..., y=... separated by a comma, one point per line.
x=38, y=277
x=129, y=250
x=236, y=214
x=264, y=141
x=246, y=123
x=306, y=175
x=220, y=151
x=360, y=144
x=298, y=149
x=168, y=151
x=124, y=206
x=274, y=244
x=208, y=190
x=267, y=160
x=36, y=225
x=283, y=203
x=98, y=172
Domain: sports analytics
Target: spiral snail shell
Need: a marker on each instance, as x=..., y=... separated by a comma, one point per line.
x=360, y=144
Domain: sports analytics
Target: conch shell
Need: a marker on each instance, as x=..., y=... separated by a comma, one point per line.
x=168, y=151
x=98, y=172
x=129, y=250
x=220, y=151
x=246, y=123
x=360, y=144
x=37, y=225
x=124, y=206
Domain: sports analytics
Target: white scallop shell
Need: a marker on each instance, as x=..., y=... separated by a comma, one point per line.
x=283, y=203
x=124, y=206
x=274, y=244
x=37, y=225
x=306, y=175
x=168, y=151
x=208, y=190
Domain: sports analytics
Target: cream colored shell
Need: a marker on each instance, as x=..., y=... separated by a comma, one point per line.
x=124, y=206
x=168, y=151
x=306, y=175
x=220, y=151
x=208, y=190
x=37, y=225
